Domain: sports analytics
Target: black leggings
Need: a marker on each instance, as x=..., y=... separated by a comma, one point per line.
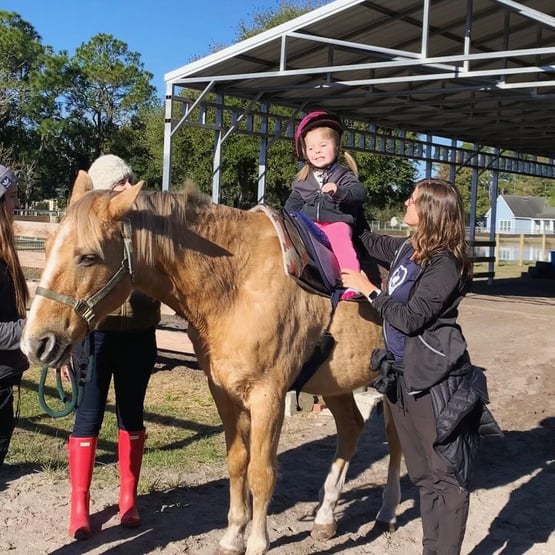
x=127, y=356
x=7, y=419
x=443, y=503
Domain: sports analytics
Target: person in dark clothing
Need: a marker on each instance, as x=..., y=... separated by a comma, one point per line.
x=122, y=346
x=13, y=304
x=438, y=398
x=326, y=192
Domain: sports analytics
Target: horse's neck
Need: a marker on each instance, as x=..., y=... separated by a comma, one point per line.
x=200, y=271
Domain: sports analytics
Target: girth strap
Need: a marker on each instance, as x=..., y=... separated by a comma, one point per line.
x=321, y=352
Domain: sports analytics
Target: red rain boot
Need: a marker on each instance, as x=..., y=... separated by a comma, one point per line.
x=130, y=457
x=81, y=462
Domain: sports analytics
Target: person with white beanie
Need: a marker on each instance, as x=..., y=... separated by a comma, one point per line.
x=123, y=346
x=110, y=171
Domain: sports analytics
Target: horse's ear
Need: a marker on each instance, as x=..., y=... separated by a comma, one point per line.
x=121, y=204
x=82, y=185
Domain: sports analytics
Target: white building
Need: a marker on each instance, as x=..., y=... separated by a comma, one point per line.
x=517, y=214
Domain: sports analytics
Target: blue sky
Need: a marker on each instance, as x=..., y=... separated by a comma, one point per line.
x=167, y=33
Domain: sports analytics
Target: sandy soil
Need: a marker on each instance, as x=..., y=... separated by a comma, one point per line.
x=510, y=331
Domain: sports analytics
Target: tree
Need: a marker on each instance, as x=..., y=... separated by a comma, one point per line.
x=21, y=53
x=23, y=99
x=110, y=86
x=264, y=19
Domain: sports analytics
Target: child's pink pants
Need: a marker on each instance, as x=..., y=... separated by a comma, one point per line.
x=340, y=236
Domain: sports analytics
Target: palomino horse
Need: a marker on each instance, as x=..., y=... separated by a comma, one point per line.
x=252, y=328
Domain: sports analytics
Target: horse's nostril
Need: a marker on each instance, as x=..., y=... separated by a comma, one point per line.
x=45, y=345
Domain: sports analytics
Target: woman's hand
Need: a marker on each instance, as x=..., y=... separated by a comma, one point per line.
x=64, y=371
x=358, y=281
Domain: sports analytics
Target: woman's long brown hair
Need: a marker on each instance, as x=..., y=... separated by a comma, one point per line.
x=441, y=223
x=8, y=253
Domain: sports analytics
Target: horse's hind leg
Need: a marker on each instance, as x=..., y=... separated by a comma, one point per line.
x=387, y=519
x=349, y=423
x=236, y=427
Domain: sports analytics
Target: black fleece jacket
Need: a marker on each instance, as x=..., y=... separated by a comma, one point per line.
x=12, y=361
x=435, y=345
x=436, y=357
x=343, y=206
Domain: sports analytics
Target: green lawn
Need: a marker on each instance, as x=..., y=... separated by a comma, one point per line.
x=183, y=430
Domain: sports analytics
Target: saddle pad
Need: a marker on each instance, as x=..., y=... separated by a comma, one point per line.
x=294, y=259
x=306, y=257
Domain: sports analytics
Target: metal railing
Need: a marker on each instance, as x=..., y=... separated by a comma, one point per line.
x=29, y=243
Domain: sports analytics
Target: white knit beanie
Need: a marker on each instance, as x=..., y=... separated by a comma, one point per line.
x=107, y=170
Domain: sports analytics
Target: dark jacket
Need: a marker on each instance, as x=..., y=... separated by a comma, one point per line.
x=435, y=345
x=12, y=361
x=459, y=404
x=436, y=358
x=138, y=312
x=343, y=206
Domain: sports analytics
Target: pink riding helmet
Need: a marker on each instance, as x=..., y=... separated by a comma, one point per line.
x=311, y=121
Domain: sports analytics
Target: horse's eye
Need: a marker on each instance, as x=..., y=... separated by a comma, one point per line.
x=88, y=259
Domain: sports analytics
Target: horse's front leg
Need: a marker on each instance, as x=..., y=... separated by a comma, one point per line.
x=349, y=423
x=391, y=497
x=236, y=427
x=267, y=408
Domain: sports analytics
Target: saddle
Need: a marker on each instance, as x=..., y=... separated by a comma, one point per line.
x=307, y=254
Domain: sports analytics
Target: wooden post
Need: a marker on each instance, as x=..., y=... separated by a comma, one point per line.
x=521, y=250
x=497, y=241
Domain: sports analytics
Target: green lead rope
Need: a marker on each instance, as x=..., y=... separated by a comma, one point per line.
x=70, y=402
x=77, y=383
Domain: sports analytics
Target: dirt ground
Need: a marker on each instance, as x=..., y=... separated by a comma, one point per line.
x=509, y=328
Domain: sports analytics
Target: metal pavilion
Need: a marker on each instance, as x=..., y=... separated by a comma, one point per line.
x=474, y=79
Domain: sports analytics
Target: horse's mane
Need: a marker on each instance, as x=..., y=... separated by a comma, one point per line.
x=159, y=219
x=162, y=219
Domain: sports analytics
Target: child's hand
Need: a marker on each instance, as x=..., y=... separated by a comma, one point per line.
x=329, y=188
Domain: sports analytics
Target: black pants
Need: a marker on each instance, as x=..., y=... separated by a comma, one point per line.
x=129, y=357
x=443, y=503
x=7, y=418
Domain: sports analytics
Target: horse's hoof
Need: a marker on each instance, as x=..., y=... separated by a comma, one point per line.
x=322, y=532
x=227, y=551
x=386, y=526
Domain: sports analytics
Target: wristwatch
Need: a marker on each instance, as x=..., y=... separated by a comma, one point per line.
x=373, y=295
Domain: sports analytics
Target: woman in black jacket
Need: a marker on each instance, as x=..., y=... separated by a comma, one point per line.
x=436, y=387
x=13, y=301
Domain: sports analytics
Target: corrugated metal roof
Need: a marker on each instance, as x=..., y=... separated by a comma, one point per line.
x=485, y=77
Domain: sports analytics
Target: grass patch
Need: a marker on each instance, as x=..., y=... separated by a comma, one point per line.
x=504, y=270
x=183, y=430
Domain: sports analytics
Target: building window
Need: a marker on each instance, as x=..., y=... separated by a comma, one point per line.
x=505, y=226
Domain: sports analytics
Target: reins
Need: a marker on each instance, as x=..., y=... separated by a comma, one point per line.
x=85, y=308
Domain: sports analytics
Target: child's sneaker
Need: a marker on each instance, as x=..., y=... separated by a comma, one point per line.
x=351, y=294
